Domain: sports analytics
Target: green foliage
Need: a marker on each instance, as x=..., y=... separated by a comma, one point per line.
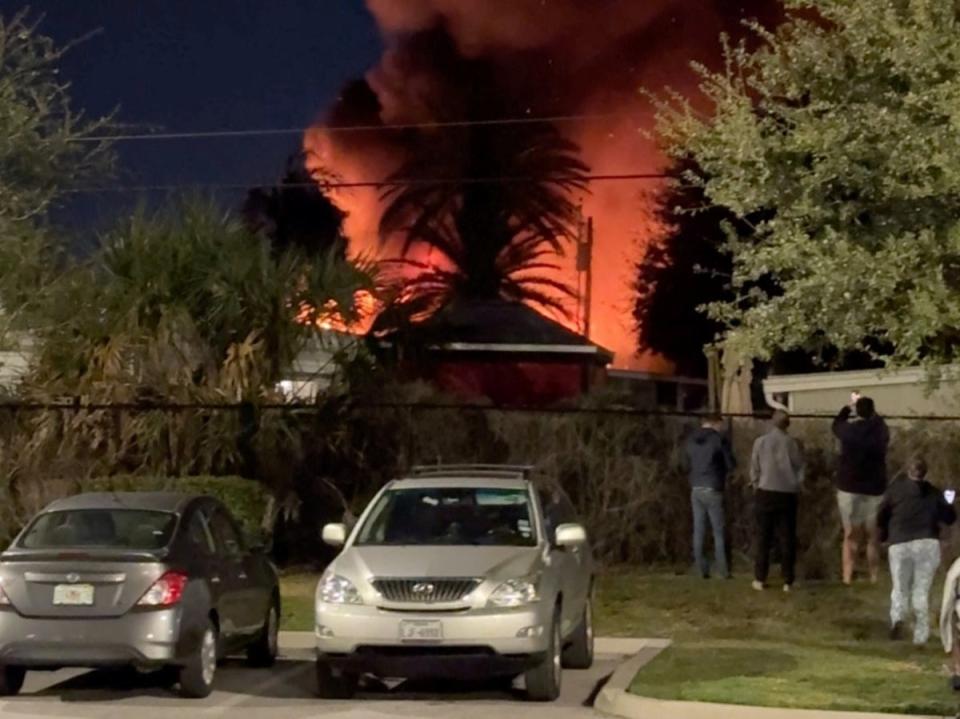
x=841, y=132
x=45, y=147
x=185, y=301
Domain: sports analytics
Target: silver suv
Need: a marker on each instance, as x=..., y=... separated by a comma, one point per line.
x=457, y=571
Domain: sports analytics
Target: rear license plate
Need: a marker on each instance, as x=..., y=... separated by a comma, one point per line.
x=73, y=595
x=421, y=631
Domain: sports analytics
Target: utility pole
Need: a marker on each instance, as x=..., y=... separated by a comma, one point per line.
x=585, y=273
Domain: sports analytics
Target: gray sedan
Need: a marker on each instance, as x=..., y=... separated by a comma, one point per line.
x=151, y=580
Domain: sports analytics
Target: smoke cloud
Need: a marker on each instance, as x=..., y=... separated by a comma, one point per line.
x=536, y=58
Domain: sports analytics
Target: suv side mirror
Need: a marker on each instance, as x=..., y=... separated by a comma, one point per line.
x=335, y=534
x=569, y=535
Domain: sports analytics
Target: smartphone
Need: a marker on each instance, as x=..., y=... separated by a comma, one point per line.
x=854, y=396
x=950, y=495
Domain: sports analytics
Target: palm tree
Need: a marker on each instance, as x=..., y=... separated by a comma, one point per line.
x=492, y=206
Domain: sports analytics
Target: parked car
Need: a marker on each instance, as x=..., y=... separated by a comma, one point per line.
x=152, y=580
x=469, y=571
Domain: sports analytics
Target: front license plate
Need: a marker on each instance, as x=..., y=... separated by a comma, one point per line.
x=421, y=631
x=73, y=595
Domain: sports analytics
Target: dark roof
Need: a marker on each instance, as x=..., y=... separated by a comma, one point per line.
x=465, y=324
x=156, y=501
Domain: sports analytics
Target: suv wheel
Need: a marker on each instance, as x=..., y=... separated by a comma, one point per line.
x=579, y=653
x=263, y=652
x=11, y=680
x=332, y=685
x=196, y=676
x=543, y=681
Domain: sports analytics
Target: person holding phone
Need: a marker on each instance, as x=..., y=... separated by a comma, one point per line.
x=909, y=521
x=861, y=480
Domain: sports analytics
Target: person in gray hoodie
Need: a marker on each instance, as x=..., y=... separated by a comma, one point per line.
x=776, y=473
x=709, y=460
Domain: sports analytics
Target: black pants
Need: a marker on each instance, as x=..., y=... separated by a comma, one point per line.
x=776, y=510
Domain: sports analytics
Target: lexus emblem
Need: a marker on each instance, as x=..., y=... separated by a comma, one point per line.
x=73, y=578
x=423, y=588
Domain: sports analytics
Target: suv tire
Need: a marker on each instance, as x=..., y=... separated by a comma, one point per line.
x=334, y=686
x=579, y=653
x=11, y=680
x=543, y=681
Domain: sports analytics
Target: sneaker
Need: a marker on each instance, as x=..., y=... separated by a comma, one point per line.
x=896, y=632
x=787, y=588
x=758, y=585
x=955, y=682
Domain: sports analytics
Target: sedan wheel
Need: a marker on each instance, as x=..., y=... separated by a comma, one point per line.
x=196, y=677
x=11, y=680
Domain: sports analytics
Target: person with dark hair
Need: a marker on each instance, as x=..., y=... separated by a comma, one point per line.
x=776, y=474
x=709, y=460
x=861, y=481
x=909, y=521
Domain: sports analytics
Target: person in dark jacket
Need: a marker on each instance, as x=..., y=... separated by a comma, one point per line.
x=709, y=460
x=861, y=481
x=909, y=521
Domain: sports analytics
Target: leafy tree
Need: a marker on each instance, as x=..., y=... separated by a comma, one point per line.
x=492, y=238
x=680, y=272
x=297, y=214
x=181, y=306
x=842, y=127
x=45, y=147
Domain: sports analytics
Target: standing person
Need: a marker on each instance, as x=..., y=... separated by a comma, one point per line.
x=709, y=459
x=861, y=481
x=776, y=473
x=909, y=520
x=950, y=621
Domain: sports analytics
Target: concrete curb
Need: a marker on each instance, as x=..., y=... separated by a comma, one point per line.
x=616, y=701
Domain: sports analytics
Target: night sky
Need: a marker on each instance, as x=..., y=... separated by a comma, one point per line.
x=187, y=65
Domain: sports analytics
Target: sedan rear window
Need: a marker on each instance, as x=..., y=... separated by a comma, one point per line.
x=451, y=516
x=112, y=528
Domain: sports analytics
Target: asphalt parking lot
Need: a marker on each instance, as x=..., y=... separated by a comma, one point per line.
x=287, y=691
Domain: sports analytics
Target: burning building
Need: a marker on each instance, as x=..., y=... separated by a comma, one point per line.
x=581, y=63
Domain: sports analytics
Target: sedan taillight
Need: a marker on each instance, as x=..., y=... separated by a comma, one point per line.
x=166, y=591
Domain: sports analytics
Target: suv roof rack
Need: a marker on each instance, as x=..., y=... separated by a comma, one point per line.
x=506, y=471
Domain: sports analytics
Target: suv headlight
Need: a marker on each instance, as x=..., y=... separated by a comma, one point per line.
x=515, y=593
x=335, y=589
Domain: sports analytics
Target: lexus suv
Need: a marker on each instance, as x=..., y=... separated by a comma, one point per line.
x=152, y=580
x=457, y=571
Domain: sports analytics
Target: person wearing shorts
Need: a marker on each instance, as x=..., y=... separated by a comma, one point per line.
x=861, y=481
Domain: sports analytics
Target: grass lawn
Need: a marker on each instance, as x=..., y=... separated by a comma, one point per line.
x=297, y=590
x=823, y=647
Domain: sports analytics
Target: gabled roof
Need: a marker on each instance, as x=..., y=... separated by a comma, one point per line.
x=501, y=326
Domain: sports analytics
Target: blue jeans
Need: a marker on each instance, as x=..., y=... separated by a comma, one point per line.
x=708, y=503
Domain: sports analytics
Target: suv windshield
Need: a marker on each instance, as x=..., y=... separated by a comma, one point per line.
x=113, y=528
x=452, y=517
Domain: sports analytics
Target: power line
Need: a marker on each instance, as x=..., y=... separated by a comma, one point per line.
x=371, y=183
x=214, y=134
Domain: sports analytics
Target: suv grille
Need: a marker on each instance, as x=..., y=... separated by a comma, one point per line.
x=425, y=591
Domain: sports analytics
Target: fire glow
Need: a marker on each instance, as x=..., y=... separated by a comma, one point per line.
x=582, y=59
